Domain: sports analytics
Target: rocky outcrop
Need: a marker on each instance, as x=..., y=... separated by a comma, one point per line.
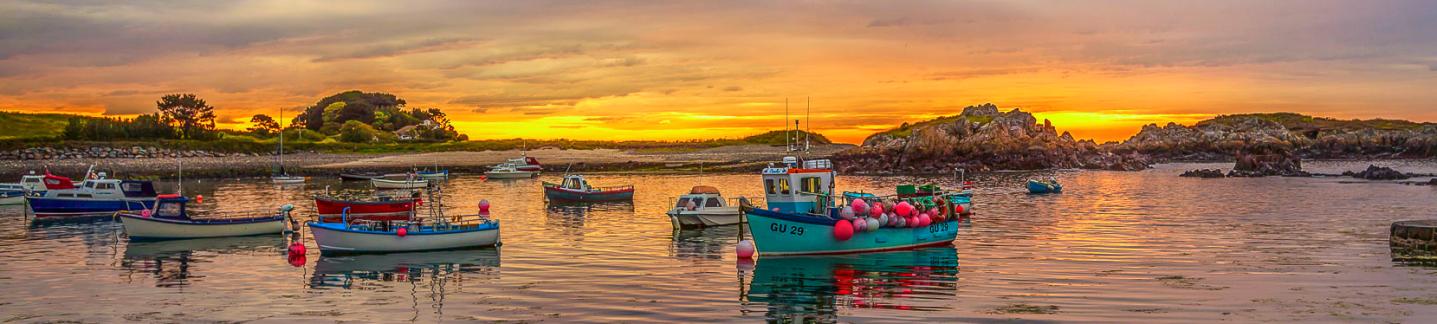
x=1305, y=136
x=980, y=138
x=1203, y=173
x=1267, y=160
x=1374, y=172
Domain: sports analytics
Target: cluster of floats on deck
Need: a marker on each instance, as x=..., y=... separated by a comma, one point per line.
x=804, y=213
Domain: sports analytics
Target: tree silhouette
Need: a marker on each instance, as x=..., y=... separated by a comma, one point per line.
x=190, y=112
x=263, y=125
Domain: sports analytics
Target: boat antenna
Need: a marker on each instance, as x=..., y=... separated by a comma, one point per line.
x=181, y=175
x=808, y=118
x=786, y=145
x=281, y=142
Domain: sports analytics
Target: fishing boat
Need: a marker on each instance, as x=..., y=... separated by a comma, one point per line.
x=435, y=174
x=1044, y=186
x=575, y=188
x=804, y=216
x=331, y=209
x=411, y=183
x=436, y=232
x=170, y=219
x=525, y=163
x=94, y=197
x=703, y=206
x=505, y=171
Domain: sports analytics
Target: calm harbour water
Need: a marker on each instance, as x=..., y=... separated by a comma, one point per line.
x=1115, y=247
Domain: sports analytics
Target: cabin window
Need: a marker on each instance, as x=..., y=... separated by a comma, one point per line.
x=783, y=187
x=712, y=202
x=811, y=185
x=168, y=210
x=105, y=186
x=132, y=186
x=768, y=183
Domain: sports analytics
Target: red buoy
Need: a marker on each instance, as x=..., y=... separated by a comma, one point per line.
x=842, y=230
x=402, y=232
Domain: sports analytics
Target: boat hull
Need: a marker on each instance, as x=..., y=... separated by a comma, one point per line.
x=568, y=195
x=359, y=177
x=434, y=175
x=138, y=227
x=713, y=216
x=331, y=210
x=65, y=207
x=14, y=197
x=1036, y=187
x=509, y=175
x=334, y=238
x=287, y=180
x=778, y=234
x=399, y=184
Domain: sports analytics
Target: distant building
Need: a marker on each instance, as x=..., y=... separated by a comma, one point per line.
x=411, y=132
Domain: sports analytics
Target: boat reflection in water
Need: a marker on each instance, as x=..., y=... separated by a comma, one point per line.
x=707, y=243
x=814, y=288
x=172, y=261
x=437, y=268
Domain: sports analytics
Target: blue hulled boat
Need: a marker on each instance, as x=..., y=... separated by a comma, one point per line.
x=93, y=197
x=805, y=217
x=1044, y=187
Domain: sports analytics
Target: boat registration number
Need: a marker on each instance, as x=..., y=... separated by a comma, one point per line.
x=784, y=228
x=940, y=227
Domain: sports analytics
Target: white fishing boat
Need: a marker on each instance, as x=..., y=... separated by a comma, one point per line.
x=505, y=171
x=703, y=206
x=171, y=220
x=412, y=183
x=14, y=193
x=287, y=179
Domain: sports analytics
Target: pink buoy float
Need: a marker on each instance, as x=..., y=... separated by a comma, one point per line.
x=842, y=230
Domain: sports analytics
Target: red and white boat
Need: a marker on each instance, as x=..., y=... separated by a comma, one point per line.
x=384, y=209
x=524, y=164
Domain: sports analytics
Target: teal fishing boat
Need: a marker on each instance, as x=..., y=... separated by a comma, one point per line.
x=1044, y=187
x=805, y=217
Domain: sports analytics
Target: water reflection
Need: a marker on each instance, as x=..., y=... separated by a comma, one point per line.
x=351, y=271
x=170, y=262
x=813, y=289
x=709, y=243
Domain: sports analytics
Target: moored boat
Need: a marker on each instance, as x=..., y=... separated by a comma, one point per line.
x=504, y=171
x=703, y=206
x=331, y=209
x=412, y=183
x=525, y=163
x=576, y=188
x=437, y=232
x=170, y=219
x=360, y=176
x=94, y=197
x=286, y=179
x=805, y=217
x=1044, y=187
x=433, y=175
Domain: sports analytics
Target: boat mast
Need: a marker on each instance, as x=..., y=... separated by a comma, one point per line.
x=281, y=142
x=808, y=118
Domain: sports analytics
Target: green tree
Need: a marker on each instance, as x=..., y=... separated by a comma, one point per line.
x=263, y=125
x=193, y=115
x=354, y=131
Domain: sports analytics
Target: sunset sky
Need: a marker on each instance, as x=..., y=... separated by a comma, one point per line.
x=691, y=69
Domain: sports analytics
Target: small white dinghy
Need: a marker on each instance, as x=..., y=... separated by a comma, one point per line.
x=703, y=206
x=399, y=184
x=170, y=220
x=286, y=179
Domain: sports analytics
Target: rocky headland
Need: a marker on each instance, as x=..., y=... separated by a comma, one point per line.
x=981, y=138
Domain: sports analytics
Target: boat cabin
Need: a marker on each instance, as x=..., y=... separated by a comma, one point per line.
x=575, y=182
x=171, y=206
x=33, y=183
x=796, y=187
x=701, y=197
